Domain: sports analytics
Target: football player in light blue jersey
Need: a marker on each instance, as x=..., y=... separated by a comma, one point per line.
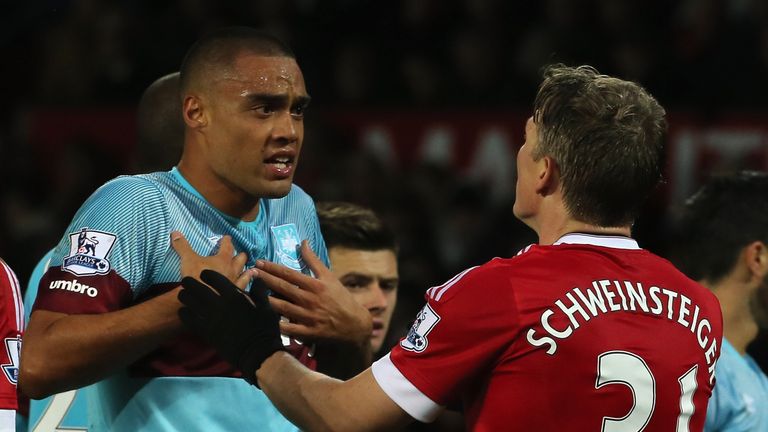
x=725, y=246
x=160, y=139
x=107, y=307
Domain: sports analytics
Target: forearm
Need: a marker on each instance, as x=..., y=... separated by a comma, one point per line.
x=62, y=352
x=304, y=397
x=315, y=402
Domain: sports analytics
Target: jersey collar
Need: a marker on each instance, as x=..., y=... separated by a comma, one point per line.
x=231, y=219
x=609, y=241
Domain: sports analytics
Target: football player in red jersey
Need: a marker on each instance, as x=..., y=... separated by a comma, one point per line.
x=11, y=327
x=584, y=331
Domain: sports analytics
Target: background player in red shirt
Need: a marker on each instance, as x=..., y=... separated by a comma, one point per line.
x=11, y=326
x=584, y=331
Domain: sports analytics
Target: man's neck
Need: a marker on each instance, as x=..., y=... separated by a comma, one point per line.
x=551, y=220
x=549, y=234
x=739, y=326
x=222, y=196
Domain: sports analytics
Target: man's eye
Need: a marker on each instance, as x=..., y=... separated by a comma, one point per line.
x=298, y=111
x=354, y=283
x=264, y=110
x=389, y=286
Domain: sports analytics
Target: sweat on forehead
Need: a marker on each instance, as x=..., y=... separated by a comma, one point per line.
x=214, y=55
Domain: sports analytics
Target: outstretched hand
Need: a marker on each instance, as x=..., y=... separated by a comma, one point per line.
x=319, y=308
x=243, y=329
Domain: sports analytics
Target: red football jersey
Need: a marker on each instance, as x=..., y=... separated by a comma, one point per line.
x=589, y=334
x=11, y=326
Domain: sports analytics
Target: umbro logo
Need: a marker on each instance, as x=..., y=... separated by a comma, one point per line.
x=74, y=286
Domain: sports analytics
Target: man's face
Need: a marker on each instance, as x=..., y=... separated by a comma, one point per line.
x=525, y=192
x=256, y=124
x=372, y=278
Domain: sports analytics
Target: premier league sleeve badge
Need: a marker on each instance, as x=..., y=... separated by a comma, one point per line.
x=88, y=251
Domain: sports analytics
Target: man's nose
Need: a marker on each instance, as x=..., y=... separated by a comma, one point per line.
x=285, y=128
x=377, y=299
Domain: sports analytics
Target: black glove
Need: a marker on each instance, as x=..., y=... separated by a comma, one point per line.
x=245, y=330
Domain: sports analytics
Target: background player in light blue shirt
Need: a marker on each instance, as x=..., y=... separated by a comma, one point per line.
x=108, y=312
x=724, y=245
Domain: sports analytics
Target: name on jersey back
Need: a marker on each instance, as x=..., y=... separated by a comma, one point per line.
x=606, y=296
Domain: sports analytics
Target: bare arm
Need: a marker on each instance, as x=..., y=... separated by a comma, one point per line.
x=315, y=402
x=309, y=399
x=62, y=351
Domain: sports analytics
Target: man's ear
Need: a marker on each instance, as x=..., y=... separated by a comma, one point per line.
x=756, y=259
x=548, y=175
x=193, y=113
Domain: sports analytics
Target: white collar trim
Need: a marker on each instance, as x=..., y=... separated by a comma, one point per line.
x=616, y=242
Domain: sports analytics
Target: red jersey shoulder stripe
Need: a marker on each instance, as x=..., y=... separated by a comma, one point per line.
x=525, y=249
x=436, y=293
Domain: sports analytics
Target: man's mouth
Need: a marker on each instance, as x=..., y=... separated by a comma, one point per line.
x=281, y=166
x=377, y=325
x=280, y=162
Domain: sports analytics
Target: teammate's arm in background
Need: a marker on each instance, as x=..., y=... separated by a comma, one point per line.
x=63, y=351
x=11, y=327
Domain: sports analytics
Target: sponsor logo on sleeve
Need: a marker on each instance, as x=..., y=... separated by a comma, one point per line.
x=286, y=242
x=74, y=286
x=416, y=340
x=88, y=251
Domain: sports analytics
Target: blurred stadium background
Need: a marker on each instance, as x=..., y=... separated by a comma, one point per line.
x=418, y=105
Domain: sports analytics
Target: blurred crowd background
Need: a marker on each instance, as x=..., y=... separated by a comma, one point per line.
x=417, y=111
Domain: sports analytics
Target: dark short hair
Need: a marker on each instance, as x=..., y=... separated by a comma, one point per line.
x=605, y=134
x=220, y=48
x=352, y=226
x=729, y=212
x=159, y=125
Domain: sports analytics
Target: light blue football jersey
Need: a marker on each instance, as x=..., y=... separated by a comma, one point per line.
x=117, y=252
x=740, y=399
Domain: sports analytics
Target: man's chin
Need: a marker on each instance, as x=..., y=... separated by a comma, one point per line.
x=377, y=343
x=276, y=189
